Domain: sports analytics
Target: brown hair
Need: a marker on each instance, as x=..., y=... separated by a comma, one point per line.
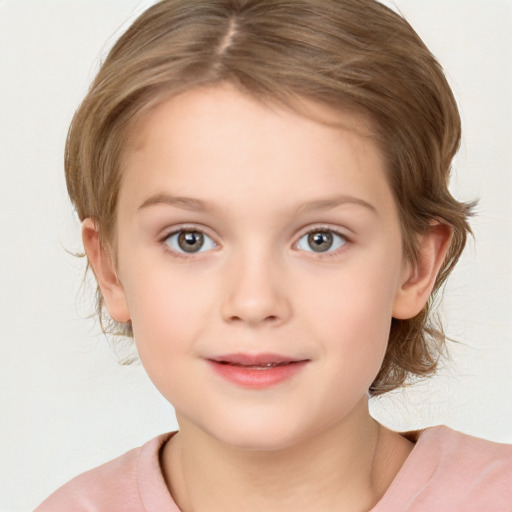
x=343, y=53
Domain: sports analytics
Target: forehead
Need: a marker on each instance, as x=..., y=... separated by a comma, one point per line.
x=202, y=104
x=219, y=143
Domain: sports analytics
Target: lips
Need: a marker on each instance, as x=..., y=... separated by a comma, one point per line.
x=256, y=370
x=259, y=360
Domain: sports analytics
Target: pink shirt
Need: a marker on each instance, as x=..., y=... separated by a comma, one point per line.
x=446, y=472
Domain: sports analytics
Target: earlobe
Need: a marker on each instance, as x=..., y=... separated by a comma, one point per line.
x=105, y=273
x=419, y=277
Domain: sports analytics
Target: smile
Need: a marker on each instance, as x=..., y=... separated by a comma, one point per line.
x=256, y=371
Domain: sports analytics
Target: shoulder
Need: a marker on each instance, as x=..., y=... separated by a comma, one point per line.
x=123, y=484
x=472, y=457
x=452, y=471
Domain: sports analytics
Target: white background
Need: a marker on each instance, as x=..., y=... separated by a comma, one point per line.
x=66, y=405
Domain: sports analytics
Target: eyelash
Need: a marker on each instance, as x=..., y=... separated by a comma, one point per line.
x=314, y=229
x=184, y=256
x=326, y=229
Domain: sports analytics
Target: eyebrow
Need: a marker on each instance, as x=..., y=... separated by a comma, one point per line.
x=193, y=204
x=186, y=203
x=329, y=203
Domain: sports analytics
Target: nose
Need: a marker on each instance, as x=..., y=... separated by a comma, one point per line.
x=256, y=292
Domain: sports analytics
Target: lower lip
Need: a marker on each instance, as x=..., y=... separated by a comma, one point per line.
x=257, y=379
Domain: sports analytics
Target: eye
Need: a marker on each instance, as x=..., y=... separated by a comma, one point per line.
x=189, y=241
x=321, y=240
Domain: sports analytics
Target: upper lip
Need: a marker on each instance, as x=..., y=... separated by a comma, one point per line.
x=255, y=359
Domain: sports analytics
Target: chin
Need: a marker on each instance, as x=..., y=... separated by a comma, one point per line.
x=261, y=433
x=261, y=441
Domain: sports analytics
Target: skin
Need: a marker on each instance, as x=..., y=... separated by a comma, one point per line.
x=256, y=286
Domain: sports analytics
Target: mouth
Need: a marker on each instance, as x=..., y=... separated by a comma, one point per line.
x=257, y=366
x=257, y=370
x=256, y=361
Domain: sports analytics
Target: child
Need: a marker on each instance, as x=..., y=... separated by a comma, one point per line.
x=263, y=191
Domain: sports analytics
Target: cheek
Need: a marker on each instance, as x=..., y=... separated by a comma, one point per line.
x=359, y=332
x=166, y=319
x=167, y=310
x=353, y=318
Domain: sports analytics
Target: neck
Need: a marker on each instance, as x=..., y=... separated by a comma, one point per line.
x=347, y=466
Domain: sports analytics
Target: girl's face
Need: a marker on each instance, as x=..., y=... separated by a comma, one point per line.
x=249, y=234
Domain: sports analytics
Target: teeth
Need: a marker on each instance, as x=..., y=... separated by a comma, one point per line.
x=257, y=366
x=262, y=366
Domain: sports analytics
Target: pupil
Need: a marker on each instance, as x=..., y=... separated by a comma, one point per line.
x=320, y=241
x=190, y=241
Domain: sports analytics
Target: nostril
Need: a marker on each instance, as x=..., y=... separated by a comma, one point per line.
x=268, y=319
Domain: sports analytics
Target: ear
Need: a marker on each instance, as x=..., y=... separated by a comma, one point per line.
x=105, y=272
x=418, y=277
